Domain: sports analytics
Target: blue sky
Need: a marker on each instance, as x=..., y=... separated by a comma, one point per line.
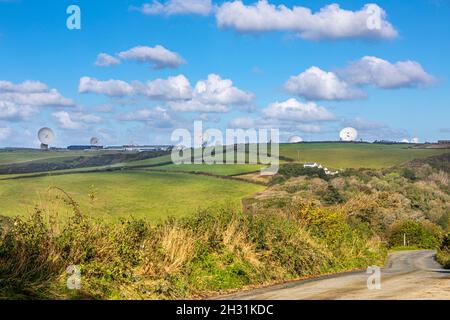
x=231, y=64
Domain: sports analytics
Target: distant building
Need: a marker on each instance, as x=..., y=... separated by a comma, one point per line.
x=311, y=165
x=82, y=148
x=444, y=142
x=133, y=148
x=146, y=148
x=319, y=166
x=331, y=173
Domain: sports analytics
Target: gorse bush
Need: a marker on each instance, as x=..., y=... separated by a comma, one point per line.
x=215, y=250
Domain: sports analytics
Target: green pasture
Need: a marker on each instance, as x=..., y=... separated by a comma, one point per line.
x=355, y=155
x=214, y=169
x=7, y=157
x=151, y=195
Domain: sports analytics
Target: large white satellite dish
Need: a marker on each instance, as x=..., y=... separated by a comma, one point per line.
x=94, y=141
x=46, y=136
x=180, y=147
x=295, y=139
x=201, y=138
x=348, y=134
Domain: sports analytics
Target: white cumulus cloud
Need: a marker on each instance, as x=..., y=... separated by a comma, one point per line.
x=65, y=121
x=294, y=110
x=5, y=133
x=88, y=118
x=177, y=7
x=198, y=106
x=21, y=101
x=106, y=60
x=316, y=84
x=242, y=123
x=347, y=83
x=112, y=88
x=157, y=56
x=172, y=88
x=214, y=94
x=146, y=114
x=32, y=93
x=215, y=90
x=24, y=87
x=157, y=117
x=384, y=74
x=330, y=22
x=76, y=120
x=14, y=112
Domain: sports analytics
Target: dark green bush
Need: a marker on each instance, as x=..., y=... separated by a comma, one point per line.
x=409, y=174
x=295, y=170
x=445, y=244
x=277, y=180
x=417, y=235
x=332, y=196
x=443, y=254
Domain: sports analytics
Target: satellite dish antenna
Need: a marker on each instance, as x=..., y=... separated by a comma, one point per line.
x=46, y=136
x=94, y=141
x=203, y=139
x=180, y=147
x=295, y=139
x=348, y=134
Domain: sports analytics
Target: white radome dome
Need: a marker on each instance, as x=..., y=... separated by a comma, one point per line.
x=295, y=139
x=348, y=134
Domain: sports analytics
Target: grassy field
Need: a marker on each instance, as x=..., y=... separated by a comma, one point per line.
x=216, y=169
x=149, y=162
x=151, y=195
x=346, y=155
x=334, y=155
x=156, y=195
x=7, y=157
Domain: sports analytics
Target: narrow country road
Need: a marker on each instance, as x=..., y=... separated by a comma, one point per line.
x=407, y=275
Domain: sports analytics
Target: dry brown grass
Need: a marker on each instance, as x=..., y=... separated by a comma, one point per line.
x=179, y=247
x=235, y=240
x=441, y=177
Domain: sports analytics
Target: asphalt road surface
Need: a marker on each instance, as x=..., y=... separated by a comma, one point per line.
x=407, y=275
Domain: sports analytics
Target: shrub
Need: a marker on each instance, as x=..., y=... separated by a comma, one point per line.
x=332, y=196
x=445, y=245
x=443, y=255
x=409, y=174
x=277, y=180
x=295, y=170
x=416, y=235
